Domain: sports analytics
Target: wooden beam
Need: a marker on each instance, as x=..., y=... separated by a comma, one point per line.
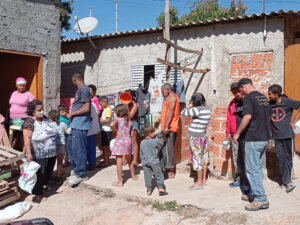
x=182, y=68
x=167, y=37
x=161, y=39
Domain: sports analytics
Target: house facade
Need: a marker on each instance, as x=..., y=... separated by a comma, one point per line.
x=249, y=46
x=30, y=36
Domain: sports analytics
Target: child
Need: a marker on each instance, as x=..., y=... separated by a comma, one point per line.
x=122, y=145
x=105, y=130
x=149, y=150
x=64, y=122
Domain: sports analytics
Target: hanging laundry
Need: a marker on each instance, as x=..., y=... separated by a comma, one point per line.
x=178, y=87
x=143, y=100
x=156, y=94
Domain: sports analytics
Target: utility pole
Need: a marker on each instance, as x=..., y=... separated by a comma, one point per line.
x=116, y=2
x=91, y=8
x=167, y=36
x=263, y=5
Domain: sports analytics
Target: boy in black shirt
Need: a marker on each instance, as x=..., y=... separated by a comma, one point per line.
x=282, y=110
x=256, y=125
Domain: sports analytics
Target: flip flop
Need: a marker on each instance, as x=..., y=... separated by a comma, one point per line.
x=117, y=184
x=162, y=193
x=290, y=187
x=196, y=188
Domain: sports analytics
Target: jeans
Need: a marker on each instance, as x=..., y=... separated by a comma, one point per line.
x=77, y=148
x=238, y=151
x=167, y=153
x=255, y=153
x=158, y=174
x=284, y=151
x=91, y=150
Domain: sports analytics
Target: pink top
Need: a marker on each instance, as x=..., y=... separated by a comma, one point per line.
x=18, y=104
x=96, y=101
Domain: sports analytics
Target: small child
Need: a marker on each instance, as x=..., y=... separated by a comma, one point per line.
x=106, y=131
x=149, y=150
x=65, y=123
x=122, y=145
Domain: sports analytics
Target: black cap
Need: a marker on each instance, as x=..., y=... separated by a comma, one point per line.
x=234, y=85
x=244, y=81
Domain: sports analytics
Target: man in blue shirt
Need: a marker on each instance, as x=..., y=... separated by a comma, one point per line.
x=80, y=124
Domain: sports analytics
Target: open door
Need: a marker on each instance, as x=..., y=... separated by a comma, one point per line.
x=292, y=78
x=13, y=65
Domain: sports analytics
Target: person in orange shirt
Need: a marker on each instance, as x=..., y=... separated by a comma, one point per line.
x=169, y=126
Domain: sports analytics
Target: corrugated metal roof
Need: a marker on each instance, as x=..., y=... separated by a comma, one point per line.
x=190, y=24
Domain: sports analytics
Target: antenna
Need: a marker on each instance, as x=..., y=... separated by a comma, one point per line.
x=116, y=2
x=91, y=8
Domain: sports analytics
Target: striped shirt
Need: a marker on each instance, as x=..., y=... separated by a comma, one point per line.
x=201, y=117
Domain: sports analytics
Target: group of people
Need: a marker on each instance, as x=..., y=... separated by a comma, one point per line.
x=252, y=120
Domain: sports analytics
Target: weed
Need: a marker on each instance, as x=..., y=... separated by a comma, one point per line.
x=168, y=206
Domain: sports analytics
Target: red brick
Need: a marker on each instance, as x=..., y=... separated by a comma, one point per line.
x=243, y=58
x=269, y=64
x=258, y=65
x=262, y=57
x=233, y=59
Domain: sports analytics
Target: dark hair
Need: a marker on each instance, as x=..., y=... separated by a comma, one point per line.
x=276, y=89
x=122, y=111
x=32, y=105
x=78, y=76
x=93, y=87
x=133, y=94
x=148, y=129
x=54, y=115
x=198, y=99
x=103, y=99
x=62, y=107
x=244, y=81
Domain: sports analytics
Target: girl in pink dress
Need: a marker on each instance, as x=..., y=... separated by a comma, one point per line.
x=122, y=145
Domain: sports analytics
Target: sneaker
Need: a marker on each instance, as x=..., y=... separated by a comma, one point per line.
x=75, y=180
x=255, y=206
x=234, y=184
x=247, y=198
x=290, y=187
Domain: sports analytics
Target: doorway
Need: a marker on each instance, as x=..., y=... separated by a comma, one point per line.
x=13, y=65
x=292, y=78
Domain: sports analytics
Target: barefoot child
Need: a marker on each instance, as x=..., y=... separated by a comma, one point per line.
x=149, y=150
x=64, y=123
x=122, y=146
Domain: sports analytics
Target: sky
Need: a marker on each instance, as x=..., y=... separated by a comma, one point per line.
x=141, y=14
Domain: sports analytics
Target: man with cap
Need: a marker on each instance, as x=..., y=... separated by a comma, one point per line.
x=234, y=118
x=256, y=124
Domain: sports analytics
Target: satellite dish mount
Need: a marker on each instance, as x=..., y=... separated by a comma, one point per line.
x=85, y=26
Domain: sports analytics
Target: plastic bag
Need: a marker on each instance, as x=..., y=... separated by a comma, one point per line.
x=14, y=211
x=297, y=127
x=28, y=178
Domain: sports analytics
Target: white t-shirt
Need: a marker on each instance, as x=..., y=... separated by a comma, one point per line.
x=156, y=94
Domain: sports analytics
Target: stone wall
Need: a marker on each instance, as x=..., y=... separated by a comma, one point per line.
x=33, y=26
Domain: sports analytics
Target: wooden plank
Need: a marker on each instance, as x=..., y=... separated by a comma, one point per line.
x=2, y=192
x=161, y=39
x=11, y=150
x=6, y=140
x=182, y=68
x=13, y=198
x=6, y=153
x=11, y=160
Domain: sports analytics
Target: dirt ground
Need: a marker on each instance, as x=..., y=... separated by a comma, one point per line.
x=81, y=206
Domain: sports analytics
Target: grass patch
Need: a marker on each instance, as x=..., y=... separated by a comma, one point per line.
x=168, y=206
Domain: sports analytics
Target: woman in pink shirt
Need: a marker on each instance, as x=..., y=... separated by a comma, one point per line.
x=94, y=98
x=19, y=100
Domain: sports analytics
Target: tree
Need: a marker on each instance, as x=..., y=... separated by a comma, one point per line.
x=205, y=10
x=65, y=9
x=173, y=17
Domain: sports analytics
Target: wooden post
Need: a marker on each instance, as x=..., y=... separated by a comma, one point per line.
x=167, y=36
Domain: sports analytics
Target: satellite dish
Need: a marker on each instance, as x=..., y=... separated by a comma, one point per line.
x=85, y=25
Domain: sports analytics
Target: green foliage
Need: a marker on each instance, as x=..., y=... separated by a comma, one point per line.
x=65, y=9
x=173, y=17
x=169, y=206
x=205, y=10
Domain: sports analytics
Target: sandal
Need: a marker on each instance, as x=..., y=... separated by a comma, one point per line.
x=196, y=188
x=290, y=187
x=117, y=184
x=162, y=193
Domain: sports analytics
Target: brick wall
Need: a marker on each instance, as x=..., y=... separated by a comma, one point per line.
x=181, y=148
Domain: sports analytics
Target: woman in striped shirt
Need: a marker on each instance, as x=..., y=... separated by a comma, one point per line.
x=198, y=138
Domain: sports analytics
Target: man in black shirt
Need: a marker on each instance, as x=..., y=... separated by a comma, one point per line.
x=282, y=110
x=256, y=123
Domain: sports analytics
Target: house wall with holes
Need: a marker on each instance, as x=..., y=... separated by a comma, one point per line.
x=30, y=31
x=231, y=50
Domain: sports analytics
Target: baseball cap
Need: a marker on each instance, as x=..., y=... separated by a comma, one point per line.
x=244, y=81
x=234, y=85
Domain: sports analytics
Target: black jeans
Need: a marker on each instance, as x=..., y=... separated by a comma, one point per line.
x=284, y=152
x=43, y=174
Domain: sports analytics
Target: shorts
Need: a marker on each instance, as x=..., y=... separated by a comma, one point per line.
x=105, y=138
x=60, y=149
x=135, y=125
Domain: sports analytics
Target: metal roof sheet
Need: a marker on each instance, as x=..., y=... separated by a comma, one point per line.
x=186, y=25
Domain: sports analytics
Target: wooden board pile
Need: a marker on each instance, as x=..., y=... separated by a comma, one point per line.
x=8, y=188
